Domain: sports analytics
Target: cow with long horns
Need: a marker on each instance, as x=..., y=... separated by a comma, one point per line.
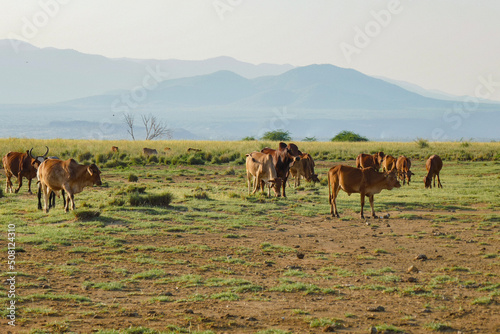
x=21, y=165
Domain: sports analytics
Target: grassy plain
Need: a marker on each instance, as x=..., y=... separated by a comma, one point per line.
x=209, y=258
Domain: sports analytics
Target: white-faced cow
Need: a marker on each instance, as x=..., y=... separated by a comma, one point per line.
x=283, y=158
x=68, y=175
x=433, y=166
x=21, y=165
x=366, y=182
x=304, y=168
x=260, y=170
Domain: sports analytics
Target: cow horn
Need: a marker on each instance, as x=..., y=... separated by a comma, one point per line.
x=31, y=155
x=47, y=152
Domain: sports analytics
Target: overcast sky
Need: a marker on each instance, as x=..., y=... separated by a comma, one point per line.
x=448, y=45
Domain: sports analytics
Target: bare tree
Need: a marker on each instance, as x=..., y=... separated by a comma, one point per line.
x=155, y=128
x=129, y=121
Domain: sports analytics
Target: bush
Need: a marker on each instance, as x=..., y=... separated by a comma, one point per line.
x=159, y=200
x=277, y=135
x=422, y=143
x=348, y=136
x=309, y=139
x=84, y=156
x=248, y=139
x=133, y=178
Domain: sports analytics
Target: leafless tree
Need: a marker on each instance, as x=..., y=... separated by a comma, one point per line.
x=155, y=128
x=129, y=121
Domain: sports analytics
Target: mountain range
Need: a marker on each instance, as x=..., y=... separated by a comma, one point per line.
x=85, y=96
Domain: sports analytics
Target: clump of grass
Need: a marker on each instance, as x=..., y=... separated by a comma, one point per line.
x=133, y=178
x=86, y=215
x=159, y=200
x=437, y=326
x=107, y=286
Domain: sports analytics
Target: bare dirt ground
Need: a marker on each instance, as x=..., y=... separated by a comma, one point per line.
x=358, y=274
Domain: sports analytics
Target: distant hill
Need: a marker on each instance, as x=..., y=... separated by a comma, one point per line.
x=29, y=74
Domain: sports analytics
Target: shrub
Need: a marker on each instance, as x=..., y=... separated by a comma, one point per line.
x=84, y=156
x=133, y=178
x=422, y=143
x=348, y=136
x=277, y=135
x=248, y=139
x=309, y=139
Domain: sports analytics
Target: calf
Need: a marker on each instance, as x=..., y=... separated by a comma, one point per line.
x=366, y=182
x=403, y=165
x=367, y=160
x=260, y=169
x=304, y=167
x=433, y=166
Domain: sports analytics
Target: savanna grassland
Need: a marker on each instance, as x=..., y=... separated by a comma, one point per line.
x=174, y=244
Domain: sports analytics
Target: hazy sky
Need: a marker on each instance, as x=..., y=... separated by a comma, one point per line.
x=449, y=45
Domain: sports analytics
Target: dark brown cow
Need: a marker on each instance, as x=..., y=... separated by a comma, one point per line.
x=304, y=167
x=366, y=182
x=367, y=160
x=149, y=151
x=260, y=168
x=403, y=165
x=189, y=150
x=68, y=175
x=433, y=166
x=114, y=148
x=283, y=158
x=21, y=165
x=389, y=163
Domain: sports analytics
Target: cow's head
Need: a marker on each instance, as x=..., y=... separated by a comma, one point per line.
x=427, y=181
x=409, y=174
x=95, y=174
x=391, y=180
x=37, y=160
x=292, y=152
x=276, y=185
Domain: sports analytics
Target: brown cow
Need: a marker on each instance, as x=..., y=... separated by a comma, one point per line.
x=389, y=163
x=68, y=175
x=149, y=151
x=114, y=148
x=260, y=168
x=193, y=150
x=367, y=160
x=366, y=182
x=304, y=167
x=433, y=166
x=403, y=165
x=283, y=158
x=21, y=165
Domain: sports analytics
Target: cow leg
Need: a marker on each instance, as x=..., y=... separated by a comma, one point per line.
x=72, y=196
x=19, y=183
x=39, y=195
x=335, y=212
x=63, y=195
x=283, y=185
x=29, y=187
x=370, y=197
x=45, y=191
x=439, y=182
x=8, y=187
x=249, y=182
x=362, y=204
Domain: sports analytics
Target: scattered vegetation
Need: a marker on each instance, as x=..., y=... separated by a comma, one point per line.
x=348, y=136
x=277, y=135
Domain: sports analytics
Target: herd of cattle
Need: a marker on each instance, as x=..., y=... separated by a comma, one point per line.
x=269, y=167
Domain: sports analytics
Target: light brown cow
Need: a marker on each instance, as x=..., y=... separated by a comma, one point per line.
x=303, y=168
x=403, y=165
x=21, y=165
x=389, y=163
x=149, y=151
x=366, y=182
x=114, y=148
x=68, y=175
x=367, y=160
x=260, y=169
x=433, y=166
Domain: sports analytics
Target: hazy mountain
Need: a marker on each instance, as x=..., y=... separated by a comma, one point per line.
x=46, y=75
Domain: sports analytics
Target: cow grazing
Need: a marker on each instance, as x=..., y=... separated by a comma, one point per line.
x=149, y=151
x=367, y=160
x=166, y=149
x=189, y=150
x=366, y=182
x=283, y=158
x=389, y=163
x=68, y=175
x=114, y=149
x=304, y=168
x=260, y=170
x=433, y=166
x=21, y=165
x=52, y=196
x=403, y=165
